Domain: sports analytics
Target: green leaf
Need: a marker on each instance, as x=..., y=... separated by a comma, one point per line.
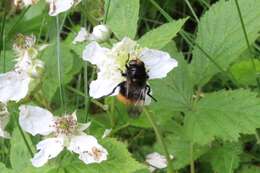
x=70, y=65
x=119, y=160
x=122, y=17
x=159, y=37
x=223, y=114
x=4, y=169
x=19, y=154
x=250, y=169
x=220, y=34
x=244, y=72
x=180, y=147
x=226, y=158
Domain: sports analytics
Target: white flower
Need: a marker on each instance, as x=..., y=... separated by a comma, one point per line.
x=14, y=85
x=99, y=34
x=111, y=63
x=62, y=132
x=4, y=118
x=82, y=36
x=156, y=161
x=58, y=6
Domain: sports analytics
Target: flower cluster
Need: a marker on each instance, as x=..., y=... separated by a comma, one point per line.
x=55, y=6
x=14, y=85
x=61, y=132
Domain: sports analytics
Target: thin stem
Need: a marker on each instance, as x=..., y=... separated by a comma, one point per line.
x=104, y=107
x=24, y=138
x=86, y=89
x=192, y=166
x=3, y=43
x=192, y=11
x=247, y=41
x=160, y=140
x=59, y=62
x=107, y=10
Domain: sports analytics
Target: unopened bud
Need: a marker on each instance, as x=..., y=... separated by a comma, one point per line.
x=101, y=33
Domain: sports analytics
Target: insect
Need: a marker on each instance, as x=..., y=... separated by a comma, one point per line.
x=133, y=90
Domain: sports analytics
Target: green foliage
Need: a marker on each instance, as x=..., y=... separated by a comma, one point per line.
x=206, y=118
x=181, y=148
x=226, y=158
x=220, y=34
x=159, y=37
x=19, y=155
x=70, y=65
x=123, y=17
x=244, y=72
x=224, y=115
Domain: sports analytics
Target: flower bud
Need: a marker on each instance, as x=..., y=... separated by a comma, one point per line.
x=101, y=33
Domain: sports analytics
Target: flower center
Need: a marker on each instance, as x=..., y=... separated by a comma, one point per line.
x=97, y=153
x=65, y=125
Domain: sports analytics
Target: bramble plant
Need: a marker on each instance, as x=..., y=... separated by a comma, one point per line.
x=72, y=72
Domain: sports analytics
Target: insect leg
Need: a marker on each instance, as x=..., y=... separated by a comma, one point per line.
x=149, y=92
x=114, y=89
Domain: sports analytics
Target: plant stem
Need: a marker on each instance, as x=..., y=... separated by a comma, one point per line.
x=192, y=11
x=160, y=140
x=24, y=137
x=59, y=62
x=107, y=10
x=192, y=166
x=17, y=21
x=247, y=42
x=2, y=48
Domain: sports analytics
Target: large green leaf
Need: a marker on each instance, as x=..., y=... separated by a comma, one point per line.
x=226, y=158
x=159, y=37
x=223, y=114
x=244, y=72
x=220, y=34
x=122, y=17
x=180, y=147
x=119, y=160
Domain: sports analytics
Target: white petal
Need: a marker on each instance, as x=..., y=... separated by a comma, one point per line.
x=14, y=86
x=83, y=126
x=106, y=82
x=125, y=45
x=95, y=54
x=88, y=149
x=101, y=33
x=81, y=36
x=48, y=149
x=36, y=120
x=156, y=160
x=158, y=63
x=106, y=133
x=59, y=6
